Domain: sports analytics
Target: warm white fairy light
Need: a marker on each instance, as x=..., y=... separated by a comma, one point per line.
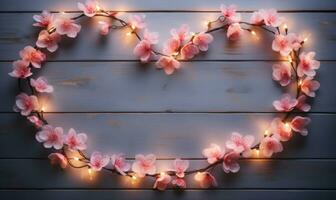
x=76, y=158
x=266, y=133
x=285, y=26
x=290, y=59
x=128, y=33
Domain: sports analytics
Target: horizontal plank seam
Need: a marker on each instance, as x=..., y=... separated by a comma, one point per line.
x=176, y=11
x=175, y=112
x=331, y=159
x=169, y=189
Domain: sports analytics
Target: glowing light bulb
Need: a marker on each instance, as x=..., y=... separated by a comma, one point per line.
x=253, y=33
x=290, y=59
x=305, y=40
x=76, y=159
x=257, y=152
x=162, y=173
x=133, y=27
x=133, y=177
x=266, y=133
x=97, y=8
x=285, y=26
x=207, y=22
x=128, y=33
x=287, y=125
x=193, y=34
x=63, y=13
x=300, y=82
x=175, y=53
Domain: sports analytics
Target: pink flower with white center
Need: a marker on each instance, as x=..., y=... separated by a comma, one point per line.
x=234, y=32
x=98, y=161
x=41, y=85
x=296, y=40
x=168, y=64
x=271, y=17
x=188, y=51
x=282, y=44
x=302, y=105
x=213, y=153
x=257, y=18
x=282, y=73
x=179, y=183
x=21, y=69
x=270, y=145
x=230, y=163
x=58, y=159
x=285, y=104
x=75, y=141
x=35, y=120
x=143, y=50
x=44, y=20
x=162, y=182
x=144, y=165
x=151, y=37
x=309, y=86
x=202, y=40
x=66, y=26
x=33, y=56
x=119, y=163
x=180, y=166
x=307, y=64
x=182, y=34
x=89, y=8
x=172, y=46
x=50, y=137
x=205, y=179
x=104, y=28
x=49, y=41
x=230, y=13
x=282, y=130
x=240, y=144
x=299, y=124
x=25, y=104
x=137, y=21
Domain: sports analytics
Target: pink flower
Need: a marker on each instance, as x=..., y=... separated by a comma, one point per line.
x=189, y=50
x=21, y=69
x=282, y=73
x=151, y=37
x=302, y=105
x=234, y=32
x=285, y=104
x=119, y=163
x=137, y=21
x=58, y=159
x=213, y=153
x=33, y=56
x=41, y=85
x=230, y=13
x=35, y=120
x=179, y=183
x=307, y=64
x=230, y=162
x=271, y=17
x=104, y=28
x=282, y=44
x=66, y=26
x=25, y=104
x=240, y=144
x=298, y=124
x=282, y=130
x=75, y=141
x=296, y=41
x=144, y=165
x=309, y=86
x=257, y=18
x=168, y=64
x=180, y=166
x=50, y=137
x=44, y=20
x=172, y=46
x=205, y=179
x=270, y=145
x=49, y=41
x=143, y=50
x=162, y=182
x=182, y=34
x=98, y=161
x=202, y=40
x=89, y=8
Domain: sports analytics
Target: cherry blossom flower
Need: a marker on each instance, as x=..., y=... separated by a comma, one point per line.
x=172, y=46
x=104, y=28
x=49, y=41
x=296, y=40
x=137, y=21
x=98, y=161
x=182, y=34
x=58, y=159
x=151, y=37
x=179, y=183
x=180, y=166
x=205, y=179
x=44, y=20
x=21, y=69
x=285, y=104
x=202, y=40
x=41, y=85
x=119, y=163
x=282, y=44
x=302, y=105
x=240, y=144
x=143, y=50
x=89, y=8
x=50, y=137
x=213, y=153
x=35, y=120
x=66, y=26
x=25, y=104
x=309, y=86
x=144, y=165
x=162, y=182
x=189, y=50
x=230, y=162
x=270, y=145
x=282, y=130
x=282, y=73
x=298, y=124
x=257, y=18
x=230, y=13
x=271, y=17
x=33, y=56
x=234, y=32
x=168, y=64
x=75, y=141
x=307, y=64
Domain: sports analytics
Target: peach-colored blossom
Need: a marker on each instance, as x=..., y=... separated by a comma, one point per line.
x=35, y=120
x=50, y=137
x=298, y=124
x=282, y=44
x=44, y=20
x=89, y=8
x=172, y=46
x=41, y=85
x=309, y=86
x=49, y=41
x=168, y=64
x=234, y=32
x=58, y=159
x=144, y=164
x=240, y=144
x=137, y=21
x=189, y=50
x=230, y=13
x=33, y=56
x=162, y=182
x=119, y=163
x=26, y=104
x=151, y=37
x=21, y=69
x=230, y=163
x=104, y=28
x=205, y=179
x=282, y=130
x=179, y=183
x=180, y=166
x=66, y=26
x=182, y=34
x=213, y=153
x=202, y=40
x=285, y=104
x=271, y=17
x=98, y=161
x=282, y=73
x=270, y=145
x=302, y=105
x=257, y=18
x=307, y=64
x=75, y=141
x=143, y=50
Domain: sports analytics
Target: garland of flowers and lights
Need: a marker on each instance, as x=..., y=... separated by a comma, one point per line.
x=183, y=45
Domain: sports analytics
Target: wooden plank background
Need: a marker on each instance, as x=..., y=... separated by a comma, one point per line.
x=125, y=106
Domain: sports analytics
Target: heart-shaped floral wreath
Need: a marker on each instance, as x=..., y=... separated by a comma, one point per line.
x=183, y=45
